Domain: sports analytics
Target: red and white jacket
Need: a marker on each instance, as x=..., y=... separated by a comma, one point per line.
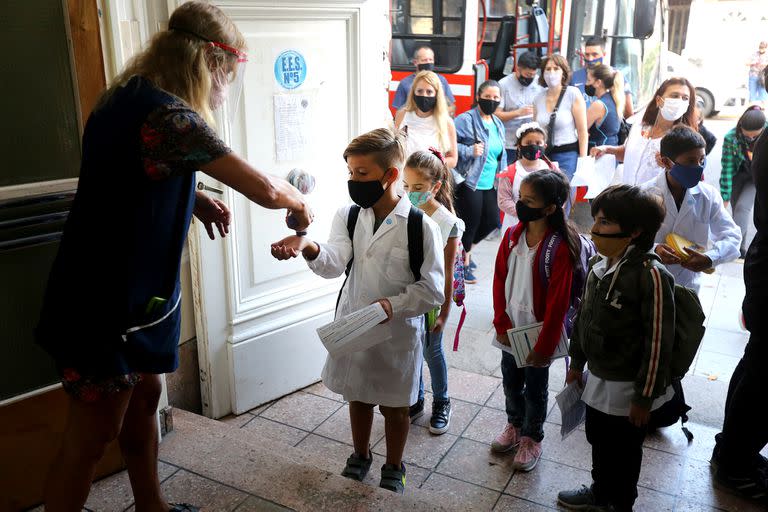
x=550, y=305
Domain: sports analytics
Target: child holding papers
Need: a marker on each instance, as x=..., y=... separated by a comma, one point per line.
x=625, y=331
x=387, y=373
x=522, y=296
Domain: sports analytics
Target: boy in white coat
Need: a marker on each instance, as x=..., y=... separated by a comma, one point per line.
x=387, y=374
x=695, y=209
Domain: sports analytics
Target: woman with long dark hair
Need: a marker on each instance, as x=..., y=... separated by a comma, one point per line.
x=674, y=103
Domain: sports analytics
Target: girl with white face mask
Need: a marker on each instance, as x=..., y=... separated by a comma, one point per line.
x=673, y=104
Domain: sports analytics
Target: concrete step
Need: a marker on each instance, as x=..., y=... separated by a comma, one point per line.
x=281, y=473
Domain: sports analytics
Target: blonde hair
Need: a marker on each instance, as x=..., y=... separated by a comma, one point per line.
x=440, y=112
x=613, y=80
x=385, y=144
x=182, y=60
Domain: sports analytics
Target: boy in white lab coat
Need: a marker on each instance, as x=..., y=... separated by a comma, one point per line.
x=695, y=209
x=387, y=374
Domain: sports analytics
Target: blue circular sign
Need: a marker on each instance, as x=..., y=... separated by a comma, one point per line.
x=290, y=69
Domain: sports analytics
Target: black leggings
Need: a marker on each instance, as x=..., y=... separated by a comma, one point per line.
x=479, y=210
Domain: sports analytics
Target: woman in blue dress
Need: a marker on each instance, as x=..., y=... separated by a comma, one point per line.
x=111, y=315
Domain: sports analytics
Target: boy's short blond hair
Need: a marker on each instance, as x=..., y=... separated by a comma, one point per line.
x=386, y=145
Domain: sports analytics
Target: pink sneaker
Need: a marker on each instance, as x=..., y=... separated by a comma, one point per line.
x=527, y=455
x=508, y=439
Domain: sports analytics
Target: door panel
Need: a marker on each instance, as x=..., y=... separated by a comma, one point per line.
x=257, y=316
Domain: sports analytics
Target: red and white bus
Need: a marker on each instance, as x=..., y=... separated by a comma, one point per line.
x=473, y=39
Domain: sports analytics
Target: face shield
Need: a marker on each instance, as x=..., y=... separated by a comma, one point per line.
x=227, y=81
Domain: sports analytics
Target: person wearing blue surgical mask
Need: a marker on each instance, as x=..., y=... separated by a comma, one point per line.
x=594, y=55
x=695, y=210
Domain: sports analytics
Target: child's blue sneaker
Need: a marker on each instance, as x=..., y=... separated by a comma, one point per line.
x=472, y=264
x=469, y=276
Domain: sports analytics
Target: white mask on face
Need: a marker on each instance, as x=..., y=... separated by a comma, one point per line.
x=553, y=78
x=219, y=90
x=673, y=108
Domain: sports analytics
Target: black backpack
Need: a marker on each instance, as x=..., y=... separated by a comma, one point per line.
x=689, y=331
x=415, y=243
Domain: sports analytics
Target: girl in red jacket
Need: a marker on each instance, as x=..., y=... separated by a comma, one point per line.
x=523, y=296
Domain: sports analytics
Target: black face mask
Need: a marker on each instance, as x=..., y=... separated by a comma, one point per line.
x=365, y=193
x=525, y=81
x=488, y=106
x=590, y=90
x=532, y=152
x=425, y=103
x=427, y=66
x=528, y=214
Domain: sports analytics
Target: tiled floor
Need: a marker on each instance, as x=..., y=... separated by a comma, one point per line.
x=459, y=464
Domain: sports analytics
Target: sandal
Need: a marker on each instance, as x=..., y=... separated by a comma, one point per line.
x=183, y=507
x=393, y=478
x=357, y=467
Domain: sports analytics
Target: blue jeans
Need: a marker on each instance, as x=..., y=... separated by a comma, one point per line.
x=756, y=91
x=526, y=393
x=438, y=368
x=567, y=161
x=511, y=156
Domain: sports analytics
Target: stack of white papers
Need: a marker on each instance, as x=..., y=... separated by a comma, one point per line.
x=345, y=335
x=573, y=410
x=523, y=339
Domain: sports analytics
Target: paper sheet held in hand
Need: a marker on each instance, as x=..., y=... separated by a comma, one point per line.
x=573, y=410
x=345, y=335
x=523, y=339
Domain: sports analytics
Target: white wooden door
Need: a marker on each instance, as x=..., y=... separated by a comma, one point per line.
x=256, y=317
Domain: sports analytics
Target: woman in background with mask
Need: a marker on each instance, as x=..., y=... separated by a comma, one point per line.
x=480, y=136
x=736, y=184
x=674, y=103
x=112, y=337
x=426, y=120
x=561, y=110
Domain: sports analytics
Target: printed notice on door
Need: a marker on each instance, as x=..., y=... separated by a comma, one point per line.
x=293, y=119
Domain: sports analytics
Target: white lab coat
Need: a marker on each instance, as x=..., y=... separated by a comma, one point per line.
x=702, y=219
x=387, y=373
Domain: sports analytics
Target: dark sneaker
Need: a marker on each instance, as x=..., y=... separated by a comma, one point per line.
x=183, y=507
x=417, y=409
x=469, y=276
x=357, y=467
x=441, y=417
x=752, y=485
x=760, y=461
x=393, y=478
x=581, y=499
x=472, y=265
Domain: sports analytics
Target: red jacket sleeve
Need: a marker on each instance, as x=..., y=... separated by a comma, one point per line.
x=556, y=302
x=501, y=320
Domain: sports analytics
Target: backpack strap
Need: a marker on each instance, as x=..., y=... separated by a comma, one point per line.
x=551, y=244
x=415, y=241
x=354, y=212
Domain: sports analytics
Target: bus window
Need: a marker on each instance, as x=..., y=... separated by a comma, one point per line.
x=438, y=25
x=638, y=59
x=585, y=22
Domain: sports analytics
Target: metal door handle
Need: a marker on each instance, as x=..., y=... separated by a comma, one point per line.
x=202, y=186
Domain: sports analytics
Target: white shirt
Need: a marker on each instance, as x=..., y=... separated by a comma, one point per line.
x=640, y=163
x=703, y=220
x=447, y=223
x=519, y=285
x=612, y=396
x=388, y=372
x=423, y=133
x=565, y=124
x=514, y=96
